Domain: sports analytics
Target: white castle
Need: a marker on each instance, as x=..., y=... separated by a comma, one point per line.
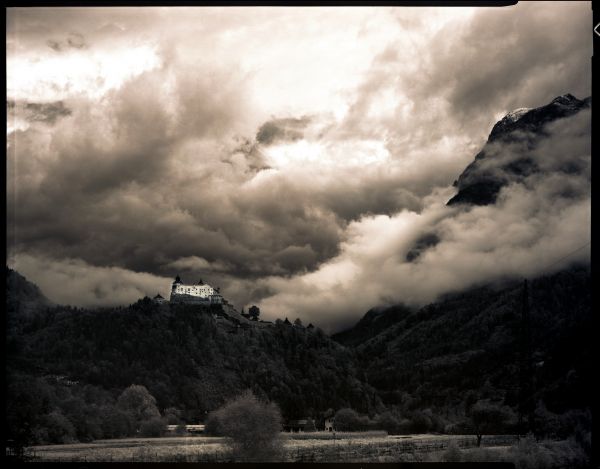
x=200, y=293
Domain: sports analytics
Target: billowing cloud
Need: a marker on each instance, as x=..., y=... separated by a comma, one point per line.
x=537, y=220
x=298, y=158
x=74, y=282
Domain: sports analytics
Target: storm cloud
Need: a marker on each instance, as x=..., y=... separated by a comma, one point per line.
x=293, y=157
x=536, y=221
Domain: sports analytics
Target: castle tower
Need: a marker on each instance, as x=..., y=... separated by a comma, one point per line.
x=176, y=283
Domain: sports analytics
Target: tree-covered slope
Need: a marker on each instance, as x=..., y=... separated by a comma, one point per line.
x=186, y=360
x=467, y=347
x=420, y=369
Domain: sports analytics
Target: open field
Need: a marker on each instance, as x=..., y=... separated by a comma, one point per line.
x=319, y=447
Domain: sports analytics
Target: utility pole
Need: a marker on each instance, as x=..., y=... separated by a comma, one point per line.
x=526, y=403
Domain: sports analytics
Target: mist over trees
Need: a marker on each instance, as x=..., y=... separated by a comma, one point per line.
x=451, y=367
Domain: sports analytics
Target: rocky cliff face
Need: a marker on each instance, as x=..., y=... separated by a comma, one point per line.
x=507, y=155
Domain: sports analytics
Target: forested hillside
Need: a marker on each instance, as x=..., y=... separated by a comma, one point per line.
x=466, y=347
x=180, y=354
x=404, y=370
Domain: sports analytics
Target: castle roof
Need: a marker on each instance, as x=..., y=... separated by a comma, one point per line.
x=158, y=297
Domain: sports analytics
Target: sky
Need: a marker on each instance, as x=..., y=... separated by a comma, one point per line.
x=290, y=156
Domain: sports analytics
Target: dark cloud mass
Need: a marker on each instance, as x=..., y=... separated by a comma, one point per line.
x=289, y=129
x=503, y=60
x=47, y=113
x=72, y=40
x=215, y=146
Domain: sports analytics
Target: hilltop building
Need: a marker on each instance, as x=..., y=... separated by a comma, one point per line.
x=159, y=299
x=200, y=293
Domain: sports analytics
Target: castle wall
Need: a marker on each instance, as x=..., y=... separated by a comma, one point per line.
x=185, y=298
x=194, y=290
x=196, y=294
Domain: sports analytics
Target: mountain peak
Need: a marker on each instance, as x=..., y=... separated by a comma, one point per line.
x=481, y=180
x=515, y=115
x=565, y=99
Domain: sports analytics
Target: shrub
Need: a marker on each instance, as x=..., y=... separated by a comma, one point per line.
x=212, y=425
x=173, y=416
x=310, y=426
x=452, y=453
x=116, y=422
x=138, y=402
x=253, y=426
x=59, y=428
x=404, y=427
x=347, y=420
x=181, y=429
x=387, y=422
x=528, y=454
x=153, y=427
x=420, y=423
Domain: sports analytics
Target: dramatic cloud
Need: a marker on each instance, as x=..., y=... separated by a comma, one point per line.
x=298, y=158
x=534, y=223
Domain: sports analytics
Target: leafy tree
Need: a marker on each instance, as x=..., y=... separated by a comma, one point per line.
x=153, y=427
x=28, y=400
x=487, y=417
x=116, y=423
x=58, y=427
x=212, y=426
x=297, y=322
x=253, y=426
x=139, y=403
x=347, y=420
x=172, y=416
x=386, y=421
x=254, y=312
x=420, y=422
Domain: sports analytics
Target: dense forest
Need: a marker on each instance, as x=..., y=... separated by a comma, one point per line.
x=468, y=347
x=81, y=360
x=70, y=371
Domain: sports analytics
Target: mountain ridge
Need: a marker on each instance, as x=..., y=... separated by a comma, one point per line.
x=483, y=178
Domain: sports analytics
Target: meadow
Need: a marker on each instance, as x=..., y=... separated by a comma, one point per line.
x=309, y=447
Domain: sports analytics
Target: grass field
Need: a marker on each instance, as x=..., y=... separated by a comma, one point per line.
x=315, y=447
